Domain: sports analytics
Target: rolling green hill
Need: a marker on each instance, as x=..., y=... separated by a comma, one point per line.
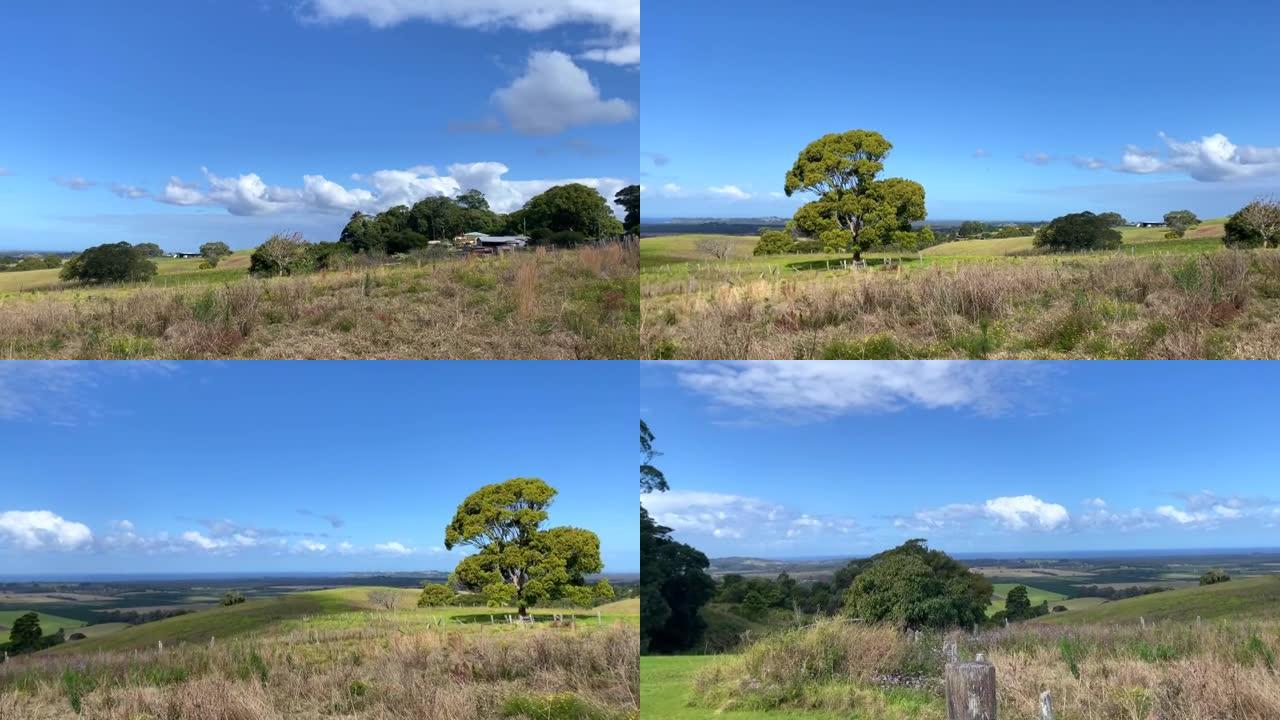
x=1035, y=594
x=1246, y=598
x=49, y=624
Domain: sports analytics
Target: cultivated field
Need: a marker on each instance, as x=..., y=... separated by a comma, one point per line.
x=560, y=304
x=1152, y=298
x=336, y=653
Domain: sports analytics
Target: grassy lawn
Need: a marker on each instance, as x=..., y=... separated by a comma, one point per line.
x=49, y=624
x=1256, y=598
x=665, y=692
x=582, y=303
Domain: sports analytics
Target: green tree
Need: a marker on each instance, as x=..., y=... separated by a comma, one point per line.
x=774, y=242
x=1078, y=231
x=213, y=252
x=628, y=198
x=1255, y=225
x=971, y=228
x=585, y=596
x=150, y=250
x=841, y=169
x=755, y=604
x=1179, y=222
x=281, y=254
x=1113, y=219
x=113, y=262
x=674, y=584
x=916, y=587
x=25, y=634
x=1214, y=576
x=517, y=562
x=436, y=595
x=573, y=207
x=1017, y=604
x=232, y=597
x=651, y=478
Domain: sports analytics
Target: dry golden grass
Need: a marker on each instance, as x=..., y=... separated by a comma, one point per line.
x=1209, y=671
x=1219, y=304
x=572, y=304
x=374, y=673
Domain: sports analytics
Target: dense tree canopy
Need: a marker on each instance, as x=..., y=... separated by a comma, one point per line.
x=913, y=586
x=628, y=198
x=1254, y=225
x=1078, y=231
x=1179, y=222
x=213, y=252
x=1214, y=576
x=113, y=262
x=1017, y=603
x=150, y=250
x=1112, y=219
x=516, y=561
x=674, y=584
x=853, y=209
x=436, y=595
x=25, y=634
x=573, y=207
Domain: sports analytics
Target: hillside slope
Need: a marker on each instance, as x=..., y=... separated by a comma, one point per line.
x=1246, y=598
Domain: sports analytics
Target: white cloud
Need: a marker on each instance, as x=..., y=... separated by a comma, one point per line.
x=981, y=153
x=1027, y=512
x=736, y=517
x=129, y=192
x=1088, y=163
x=1095, y=502
x=312, y=546
x=74, y=183
x=620, y=19
x=1212, y=158
x=822, y=389
x=42, y=530
x=1038, y=158
x=554, y=94
x=200, y=540
x=63, y=393
x=392, y=548
x=249, y=195
x=729, y=192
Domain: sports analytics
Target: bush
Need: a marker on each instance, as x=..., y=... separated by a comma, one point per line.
x=281, y=254
x=1254, y=225
x=213, y=252
x=1078, y=231
x=113, y=262
x=232, y=598
x=1214, y=576
x=565, y=238
x=328, y=256
x=436, y=595
x=774, y=242
x=915, y=587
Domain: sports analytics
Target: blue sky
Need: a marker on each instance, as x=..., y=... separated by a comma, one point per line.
x=181, y=123
x=796, y=459
x=1002, y=110
x=299, y=466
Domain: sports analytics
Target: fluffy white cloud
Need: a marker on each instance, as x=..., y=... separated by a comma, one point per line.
x=249, y=195
x=555, y=94
x=619, y=18
x=42, y=530
x=392, y=548
x=821, y=389
x=311, y=546
x=1027, y=512
x=729, y=192
x=726, y=516
x=1038, y=158
x=1212, y=158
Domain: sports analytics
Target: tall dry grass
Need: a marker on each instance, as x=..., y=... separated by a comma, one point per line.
x=1220, y=304
x=574, y=304
x=1210, y=671
x=355, y=673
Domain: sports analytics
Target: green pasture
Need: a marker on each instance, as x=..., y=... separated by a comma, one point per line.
x=666, y=690
x=170, y=272
x=49, y=624
x=1255, y=598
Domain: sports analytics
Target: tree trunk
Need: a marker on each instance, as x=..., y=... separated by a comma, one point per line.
x=524, y=611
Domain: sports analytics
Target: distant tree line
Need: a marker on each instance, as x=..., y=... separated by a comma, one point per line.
x=136, y=617
x=1113, y=593
x=13, y=263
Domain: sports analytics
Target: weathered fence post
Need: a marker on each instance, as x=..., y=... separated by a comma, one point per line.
x=1143, y=621
x=971, y=690
x=1046, y=706
x=159, y=646
x=599, y=620
x=949, y=650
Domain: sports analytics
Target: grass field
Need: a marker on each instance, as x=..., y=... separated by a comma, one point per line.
x=1035, y=594
x=332, y=653
x=169, y=272
x=1153, y=298
x=1255, y=598
x=561, y=304
x=48, y=623
x=666, y=691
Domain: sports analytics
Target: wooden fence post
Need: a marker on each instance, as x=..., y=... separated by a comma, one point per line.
x=971, y=690
x=1046, y=706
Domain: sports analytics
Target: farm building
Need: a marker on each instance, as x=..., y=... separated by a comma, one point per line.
x=471, y=237
x=500, y=243
x=1149, y=223
x=184, y=255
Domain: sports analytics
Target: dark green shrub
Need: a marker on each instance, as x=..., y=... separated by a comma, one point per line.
x=113, y=262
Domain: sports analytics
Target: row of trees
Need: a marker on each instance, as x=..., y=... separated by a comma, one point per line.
x=563, y=215
x=10, y=263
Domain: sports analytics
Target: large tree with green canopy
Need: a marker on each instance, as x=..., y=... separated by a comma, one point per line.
x=628, y=198
x=573, y=207
x=517, y=562
x=915, y=587
x=853, y=208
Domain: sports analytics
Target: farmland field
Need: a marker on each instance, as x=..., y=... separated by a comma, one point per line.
x=570, y=304
x=336, y=651
x=993, y=299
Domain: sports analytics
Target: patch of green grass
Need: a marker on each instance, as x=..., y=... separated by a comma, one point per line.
x=666, y=692
x=874, y=347
x=1241, y=598
x=49, y=624
x=561, y=706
